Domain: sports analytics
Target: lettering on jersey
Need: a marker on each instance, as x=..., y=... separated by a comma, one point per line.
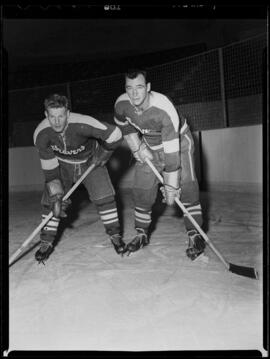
x=70, y=152
x=142, y=130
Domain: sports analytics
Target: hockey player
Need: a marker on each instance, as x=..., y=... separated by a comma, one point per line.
x=67, y=143
x=150, y=125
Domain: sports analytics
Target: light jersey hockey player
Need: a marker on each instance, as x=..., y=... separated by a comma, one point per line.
x=67, y=144
x=150, y=125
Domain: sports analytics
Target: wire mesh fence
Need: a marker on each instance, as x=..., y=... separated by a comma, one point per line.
x=193, y=84
x=96, y=96
x=243, y=77
x=214, y=89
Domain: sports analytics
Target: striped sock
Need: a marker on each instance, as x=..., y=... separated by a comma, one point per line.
x=195, y=210
x=142, y=218
x=49, y=231
x=109, y=216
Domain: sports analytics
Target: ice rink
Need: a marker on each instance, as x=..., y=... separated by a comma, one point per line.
x=86, y=297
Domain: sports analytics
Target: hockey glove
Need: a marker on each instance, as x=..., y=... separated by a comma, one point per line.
x=139, y=149
x=56, y=193
x=171, y=188
x=64, y=207
x=101, y=157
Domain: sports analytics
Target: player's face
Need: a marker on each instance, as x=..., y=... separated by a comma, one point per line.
x=57, y=118
x=137, y=90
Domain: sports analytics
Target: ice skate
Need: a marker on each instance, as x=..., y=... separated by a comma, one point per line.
x=118, y=243
x=196, y=245
x=44, y=252
x=139, y=241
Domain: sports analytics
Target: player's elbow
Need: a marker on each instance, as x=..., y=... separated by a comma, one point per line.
x=115, y=136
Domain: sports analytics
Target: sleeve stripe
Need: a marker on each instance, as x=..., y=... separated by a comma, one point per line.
x=120, y=123
x=162, y=102
x=88, y=120
x=184, y=127
x=49, y=164
x=115, y=136
x=171, y=146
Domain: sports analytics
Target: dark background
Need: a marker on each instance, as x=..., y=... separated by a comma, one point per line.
x=52, y=48
x=51, y=44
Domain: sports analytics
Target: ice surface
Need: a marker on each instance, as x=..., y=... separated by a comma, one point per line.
x=87, y=297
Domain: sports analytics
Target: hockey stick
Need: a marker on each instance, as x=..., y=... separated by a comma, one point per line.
x=240, y=270
x=49, y=216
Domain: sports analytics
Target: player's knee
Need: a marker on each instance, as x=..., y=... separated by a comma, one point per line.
x=190, y=192
x=144, y=198
x=104, y=200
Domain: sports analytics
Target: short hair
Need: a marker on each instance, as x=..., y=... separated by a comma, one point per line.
x=133, y=73
x=56, y=101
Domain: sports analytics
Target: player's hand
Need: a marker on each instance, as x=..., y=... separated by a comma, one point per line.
x=171, y=187
x=101, y=157
x=169, y=194
x=56, y=193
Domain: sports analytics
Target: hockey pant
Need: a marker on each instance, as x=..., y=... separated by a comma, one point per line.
x=146, y=185
x=100, y=191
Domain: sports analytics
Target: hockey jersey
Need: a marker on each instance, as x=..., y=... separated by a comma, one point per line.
x=75, y=145
x=158, y=124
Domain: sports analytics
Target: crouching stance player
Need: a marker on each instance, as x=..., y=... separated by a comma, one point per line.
x=67, y=143
x=150, y=125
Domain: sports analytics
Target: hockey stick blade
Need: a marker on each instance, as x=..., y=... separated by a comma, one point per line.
x=244, y=271
x=240, y=270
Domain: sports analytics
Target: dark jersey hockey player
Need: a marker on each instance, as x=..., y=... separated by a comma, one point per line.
x=150, y=125
x=67, y=143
